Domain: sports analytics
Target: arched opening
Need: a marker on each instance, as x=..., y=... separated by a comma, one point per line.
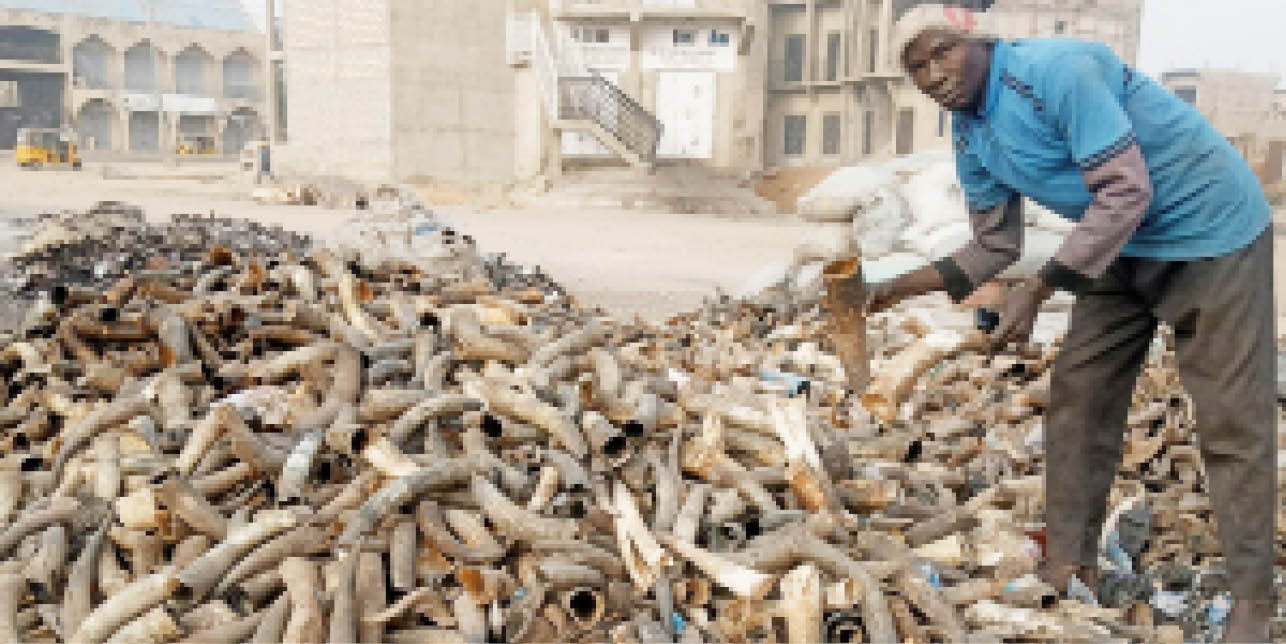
x=89, y=63
x=238, y=76
x=190, y=71
x=242, y=127
x=94, y=125
x=140, y=68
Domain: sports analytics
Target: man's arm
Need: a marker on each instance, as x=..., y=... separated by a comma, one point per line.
x=1122, y=193
x=1101, y=140
x=997, y=243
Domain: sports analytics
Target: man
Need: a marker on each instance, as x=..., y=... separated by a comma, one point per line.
x=1172, y=226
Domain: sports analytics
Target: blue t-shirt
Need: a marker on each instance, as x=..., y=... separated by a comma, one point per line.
x=1055, y=108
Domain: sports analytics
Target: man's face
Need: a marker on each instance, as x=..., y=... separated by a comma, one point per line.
x=939, y=64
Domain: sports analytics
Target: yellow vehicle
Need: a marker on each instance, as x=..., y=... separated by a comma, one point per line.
x=46, y=147
x=195, y=145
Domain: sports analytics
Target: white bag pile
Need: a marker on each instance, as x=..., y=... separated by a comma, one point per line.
x=910, y=211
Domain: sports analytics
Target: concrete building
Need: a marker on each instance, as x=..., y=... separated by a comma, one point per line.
x=687, y=66
x=837, y=95
x=131, y=75
x=1246, y=108
x=1116, y=23
x=397, y=89
x=384, y=90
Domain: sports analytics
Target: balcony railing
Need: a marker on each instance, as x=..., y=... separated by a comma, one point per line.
x=596, y=99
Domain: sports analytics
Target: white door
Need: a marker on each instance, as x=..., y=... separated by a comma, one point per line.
x=685, y=107
x=584, y=143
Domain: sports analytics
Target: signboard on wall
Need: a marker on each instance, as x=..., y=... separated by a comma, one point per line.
x=142, y=102
x=186, y=104
x=600, y=47
x=694, y=46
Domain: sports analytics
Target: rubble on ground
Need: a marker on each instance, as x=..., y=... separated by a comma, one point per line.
x=242, y=438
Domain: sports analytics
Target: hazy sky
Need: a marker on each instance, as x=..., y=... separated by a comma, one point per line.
x=1248, y=35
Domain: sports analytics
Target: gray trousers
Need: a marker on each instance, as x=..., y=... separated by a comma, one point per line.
x=1224, y=320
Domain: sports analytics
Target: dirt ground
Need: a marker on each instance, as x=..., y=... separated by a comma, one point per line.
x=785, y=186
x=628, y=263
x=653, y=265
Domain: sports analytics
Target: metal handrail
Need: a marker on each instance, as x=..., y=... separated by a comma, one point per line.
x=596, y=99
x=575, y=93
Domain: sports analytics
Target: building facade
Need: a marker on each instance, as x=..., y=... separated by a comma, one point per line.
x=836, y=94
x=381, y=90
x=397, y=89
x=1246, y=108
x=747, y=85
x=686, y=63
x=132, y=75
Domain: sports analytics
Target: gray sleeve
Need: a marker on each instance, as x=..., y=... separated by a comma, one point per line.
x=997, y=242
x=1122, y=193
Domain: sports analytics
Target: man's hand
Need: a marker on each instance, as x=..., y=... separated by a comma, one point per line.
x=1022, y=304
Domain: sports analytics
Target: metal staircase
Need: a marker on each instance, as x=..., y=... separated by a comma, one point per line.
x=578, y=99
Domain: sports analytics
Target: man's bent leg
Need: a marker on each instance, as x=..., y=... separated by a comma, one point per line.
x=1090, y=391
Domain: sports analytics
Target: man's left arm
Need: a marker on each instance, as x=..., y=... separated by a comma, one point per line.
x=1101, y=139
x=1122, y=192
x=1102, y=143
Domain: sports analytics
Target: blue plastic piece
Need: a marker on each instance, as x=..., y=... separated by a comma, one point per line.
x=679, y=623
x=930, y=574
x=795, y=383
x=1118, y=556
x=1217, y=610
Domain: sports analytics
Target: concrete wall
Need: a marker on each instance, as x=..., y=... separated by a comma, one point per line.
x=928, y=115
x=453, y=95
x=1115, y=23
x=1246, y=108
x=340, y=77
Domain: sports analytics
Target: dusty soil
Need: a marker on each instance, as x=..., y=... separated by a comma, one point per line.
x=627, y=262
x=785, y=186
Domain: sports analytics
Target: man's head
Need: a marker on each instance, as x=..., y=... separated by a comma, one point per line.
x=942, y=51
x=948, y=66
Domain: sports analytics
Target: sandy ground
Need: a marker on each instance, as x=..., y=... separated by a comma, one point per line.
x=26, y=193
x=628, y=263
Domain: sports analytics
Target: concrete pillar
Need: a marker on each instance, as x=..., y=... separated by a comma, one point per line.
x=116, y=67
x=810, y=41
x=123, y=114
x=886, y=29
x=270, y=82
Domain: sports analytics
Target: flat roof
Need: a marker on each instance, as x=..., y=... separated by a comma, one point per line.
x=202, y=14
